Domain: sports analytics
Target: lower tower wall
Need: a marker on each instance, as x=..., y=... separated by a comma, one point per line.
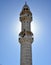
x=26, y=54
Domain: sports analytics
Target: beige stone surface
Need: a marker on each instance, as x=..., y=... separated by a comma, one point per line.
x=25, y=36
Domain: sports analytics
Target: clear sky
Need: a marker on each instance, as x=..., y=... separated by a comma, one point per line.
x=10, y=28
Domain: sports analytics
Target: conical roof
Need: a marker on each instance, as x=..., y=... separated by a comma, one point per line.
x=25, y=6
x=25, y=10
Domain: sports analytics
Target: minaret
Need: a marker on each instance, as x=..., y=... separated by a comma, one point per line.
x=25, y=36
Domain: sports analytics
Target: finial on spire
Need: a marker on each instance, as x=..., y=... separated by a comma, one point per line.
x=25, y=2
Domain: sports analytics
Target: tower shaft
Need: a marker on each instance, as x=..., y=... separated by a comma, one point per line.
x=26, y=51
x=26, y=38
x=26, y=54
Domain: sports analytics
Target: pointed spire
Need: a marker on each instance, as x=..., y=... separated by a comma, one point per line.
x=25, y=2
x=26, y=6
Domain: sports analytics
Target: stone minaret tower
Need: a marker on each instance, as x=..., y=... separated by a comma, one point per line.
x=26, y=38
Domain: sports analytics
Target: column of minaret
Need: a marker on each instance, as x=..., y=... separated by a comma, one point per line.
x=26, y=38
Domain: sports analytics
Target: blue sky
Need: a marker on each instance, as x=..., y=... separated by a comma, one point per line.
x=9, y=44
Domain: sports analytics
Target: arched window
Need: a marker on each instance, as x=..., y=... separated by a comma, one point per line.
x=27, y=14
x=26, y=8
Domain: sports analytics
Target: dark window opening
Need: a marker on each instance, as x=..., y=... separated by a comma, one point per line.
x=28, y=14
x=24, y=18
x=26, y=8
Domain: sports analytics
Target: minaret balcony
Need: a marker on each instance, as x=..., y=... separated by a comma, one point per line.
x=28, y=33
x=26, y=40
